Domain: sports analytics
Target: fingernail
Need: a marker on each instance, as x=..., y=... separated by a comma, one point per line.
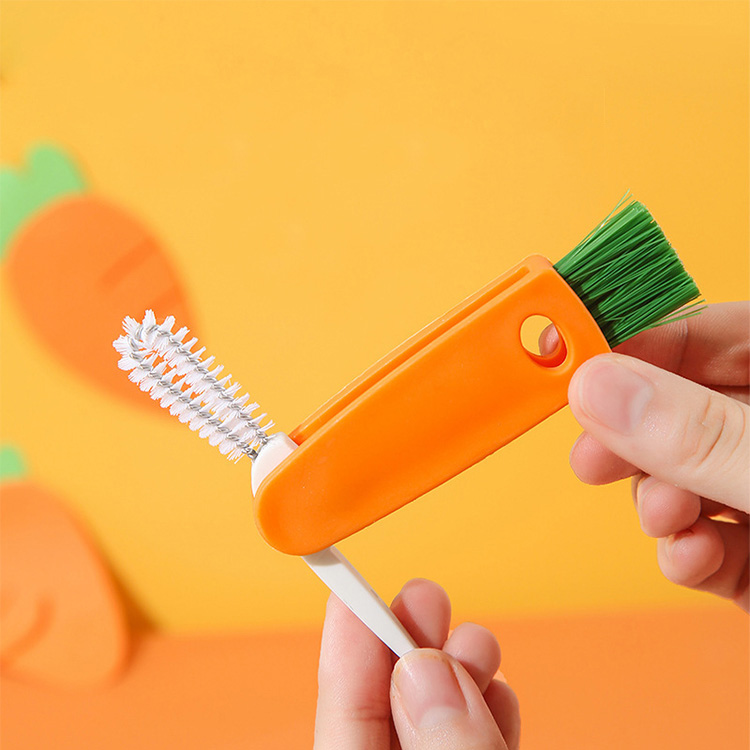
x=428, y=689
x=613, y=395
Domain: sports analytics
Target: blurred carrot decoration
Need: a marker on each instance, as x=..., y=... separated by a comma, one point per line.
x=62, y=622
x=77, y=264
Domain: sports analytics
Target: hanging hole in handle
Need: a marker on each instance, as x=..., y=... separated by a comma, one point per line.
x=542, y=341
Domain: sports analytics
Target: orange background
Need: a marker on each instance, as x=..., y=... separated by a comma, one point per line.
x=328, y=178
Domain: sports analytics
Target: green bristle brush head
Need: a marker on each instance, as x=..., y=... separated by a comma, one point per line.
x=629, y=276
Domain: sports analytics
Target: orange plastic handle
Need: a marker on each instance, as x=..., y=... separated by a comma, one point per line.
x=449, y=396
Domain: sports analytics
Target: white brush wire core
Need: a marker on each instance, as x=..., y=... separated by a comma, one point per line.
x=171, y=373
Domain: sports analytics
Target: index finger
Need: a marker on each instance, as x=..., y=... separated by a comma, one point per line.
x=354, y=676
x=712, y=348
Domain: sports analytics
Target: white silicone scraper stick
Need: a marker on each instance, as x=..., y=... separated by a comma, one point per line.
x=333, y=568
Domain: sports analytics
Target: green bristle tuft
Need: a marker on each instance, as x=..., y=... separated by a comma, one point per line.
x=629, y=276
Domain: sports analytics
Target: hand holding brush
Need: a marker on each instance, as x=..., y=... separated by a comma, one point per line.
x=670, y=410
x=674, y=416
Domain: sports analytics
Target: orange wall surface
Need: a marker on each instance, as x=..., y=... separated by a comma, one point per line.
x=327, y=177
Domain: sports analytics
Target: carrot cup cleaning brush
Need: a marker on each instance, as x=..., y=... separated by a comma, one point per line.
x=455, y=392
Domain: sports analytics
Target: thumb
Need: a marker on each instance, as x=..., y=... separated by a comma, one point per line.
x=436, y=704
x=669, y=427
